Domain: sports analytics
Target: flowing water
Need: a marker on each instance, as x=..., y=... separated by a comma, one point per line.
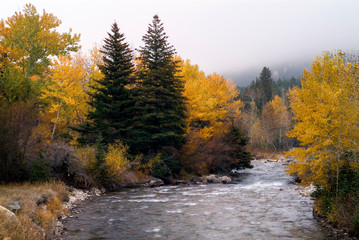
x=262, y=204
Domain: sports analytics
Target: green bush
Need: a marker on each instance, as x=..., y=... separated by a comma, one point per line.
x=40, y=170
x=340, y=204
x=158, y=168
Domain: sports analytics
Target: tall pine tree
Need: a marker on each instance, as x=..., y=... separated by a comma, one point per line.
x=112, y=101
x=161, y=105
x=266, y=80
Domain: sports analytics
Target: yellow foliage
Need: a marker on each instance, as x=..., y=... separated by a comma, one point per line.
x=154, y=161
x=31, y=39
x=65, y=93
x=213, y=107
x=212, y=100
x=93, y=71
x=117, y=160
x=87, y=156
x=326, y=110
x=275, y=121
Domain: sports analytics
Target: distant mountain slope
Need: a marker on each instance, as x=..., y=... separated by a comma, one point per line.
x=283, y=71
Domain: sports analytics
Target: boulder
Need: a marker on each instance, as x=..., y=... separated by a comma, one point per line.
x=178, y=182
x=216, y=179
x=96, y=192
x=211, y=178
x=43, y=199
x=224, y=179
x=7, y=213
x=197, y=180
x=154, y=182
x=307, y=191
x=13, y=206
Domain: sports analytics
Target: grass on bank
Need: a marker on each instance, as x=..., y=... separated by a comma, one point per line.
x=33, y=221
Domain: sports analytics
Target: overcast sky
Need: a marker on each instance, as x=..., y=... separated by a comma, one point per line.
x=233, y=38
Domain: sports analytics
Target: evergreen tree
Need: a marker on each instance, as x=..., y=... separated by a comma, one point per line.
x=161, y=105
x=112, y=101
x=266, y=80
x=253, y=93
x=281, y=86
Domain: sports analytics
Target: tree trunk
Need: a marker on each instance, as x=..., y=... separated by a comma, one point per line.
x=339, y=143
x=57, y=119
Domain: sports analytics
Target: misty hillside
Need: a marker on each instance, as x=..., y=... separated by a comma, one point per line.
x=284, y=71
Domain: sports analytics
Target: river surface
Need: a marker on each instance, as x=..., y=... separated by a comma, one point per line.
x=262, y=204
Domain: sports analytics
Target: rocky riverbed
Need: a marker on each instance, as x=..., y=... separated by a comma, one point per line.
x=261, y=204
x=77, y=196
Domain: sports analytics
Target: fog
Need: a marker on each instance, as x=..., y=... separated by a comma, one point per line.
x=233, y=38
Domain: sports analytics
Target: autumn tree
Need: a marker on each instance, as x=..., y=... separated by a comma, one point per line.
x=161, y=105
x=28, y=41
x=65, y=95
x=326, y=111
x=211, y=104
x=111, y=99
x=275, y=122
x=214, y=140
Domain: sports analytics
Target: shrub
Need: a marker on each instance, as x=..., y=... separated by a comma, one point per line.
x=40, y=170
x=117, y=160
x=17, y=143
x=64, y=165
x=158, y=168
x=221, y=153
x=342, y=207
x=87, y=156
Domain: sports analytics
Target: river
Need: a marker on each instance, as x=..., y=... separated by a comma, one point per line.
x=262, y=204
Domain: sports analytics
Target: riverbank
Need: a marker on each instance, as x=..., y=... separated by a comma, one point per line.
x=76, y=197
x=29, y=209
x=335, y=233
x=39, y=210
x=36, y=210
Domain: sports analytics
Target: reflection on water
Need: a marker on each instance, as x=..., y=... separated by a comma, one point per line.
x=262, y=205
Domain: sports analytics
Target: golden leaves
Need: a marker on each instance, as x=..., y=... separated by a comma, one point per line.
x=65, y=93
x=30, y=38
x=116, y=160
x=327, y=111
x=212, y=100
